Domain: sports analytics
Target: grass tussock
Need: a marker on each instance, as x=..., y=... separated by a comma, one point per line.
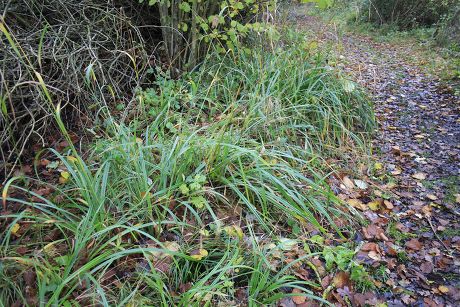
x=194, y=202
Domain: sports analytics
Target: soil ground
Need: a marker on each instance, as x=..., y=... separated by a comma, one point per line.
x=413, y=219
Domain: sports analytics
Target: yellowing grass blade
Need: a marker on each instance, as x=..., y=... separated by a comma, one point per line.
x=5, y=191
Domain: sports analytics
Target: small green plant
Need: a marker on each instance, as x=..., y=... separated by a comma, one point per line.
x=402, y=256
x=398, y=235
x=341, y=257
x=382, y=273
x=407, y=14
x=193, y=189
x=361, y=278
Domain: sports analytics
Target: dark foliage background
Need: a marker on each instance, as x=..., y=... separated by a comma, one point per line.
x=408, y=13
x=91, y=54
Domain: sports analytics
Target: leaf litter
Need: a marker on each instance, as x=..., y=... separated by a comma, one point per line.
x=410, y=197
x=411, y=239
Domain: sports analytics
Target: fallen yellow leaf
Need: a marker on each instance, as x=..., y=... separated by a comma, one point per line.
x=234, y=231
x=50, y=248
x=64, y=177
x=15, y=229
x=378, y=166
x=374, y=205
x=144, y=194
x=172, y=246
x=72, y=159
x=199, y=254
x=4, y=196
x=356, y=203
x=443, y=289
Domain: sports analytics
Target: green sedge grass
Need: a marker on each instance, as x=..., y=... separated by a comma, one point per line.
x=258, y=127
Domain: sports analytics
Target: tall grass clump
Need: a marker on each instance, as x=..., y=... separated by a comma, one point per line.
x=193, y=201
x=280, y=94
x=145, y=219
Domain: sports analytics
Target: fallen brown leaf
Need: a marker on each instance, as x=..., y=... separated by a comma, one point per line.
x=341, y=279
x=370, y=246
x=358, y=204
x=426, y=267
x=397, y=171
x=374, y=232
x=348, y=183
x=419, y=176
x=374, y=256
x=414, y=244
x=298, y=299
x=388, y=204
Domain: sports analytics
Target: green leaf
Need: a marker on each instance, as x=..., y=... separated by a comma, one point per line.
x=184, y=6
x=198, y=201
x=184, y=189
x=317, y=239
x=3, y=105
x=53, y=165
x=322, y=4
